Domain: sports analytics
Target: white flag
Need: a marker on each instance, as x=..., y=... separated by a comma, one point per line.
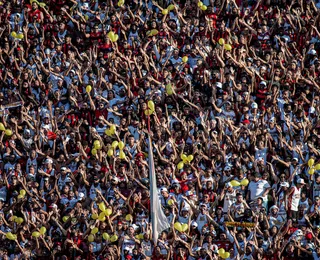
x=158, y=218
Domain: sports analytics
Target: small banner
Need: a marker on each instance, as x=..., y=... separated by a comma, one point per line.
x=240, y=224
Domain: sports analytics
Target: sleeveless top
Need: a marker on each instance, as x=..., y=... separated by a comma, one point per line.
x=201, y=220
x=304, y=205
x=229, y=199
x=128, y=243
x=295, y=199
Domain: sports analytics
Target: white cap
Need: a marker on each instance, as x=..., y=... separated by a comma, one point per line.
x=163, y=189
x=194, y=224
x=274, y=207
x=115, y=178
x=54, y=206
x=263, y=83
x=312, y=52
x=295, y=159
x=81, y=195
x=135, y=226
x=300, y=181
x=228, y=184
x=63, y=168
x=48, y=161
x=227, y=168
x=254, y=105
x=219, y=85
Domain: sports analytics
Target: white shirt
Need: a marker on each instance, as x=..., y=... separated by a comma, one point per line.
x=257, y=189
x=229, y=199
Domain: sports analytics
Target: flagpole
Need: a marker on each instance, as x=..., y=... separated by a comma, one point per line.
x=152, y=206
x=159, y=221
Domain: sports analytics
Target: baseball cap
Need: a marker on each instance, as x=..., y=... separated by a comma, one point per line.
x=254, y=105
x=263, y=83
x=219, y=85
x=227, y=168
x=274, y=207
x=194, y=224
x=115, y=179
x=163, y=189
x=312, y=52
x=175, y=181
x=48, y=161
x=228, y=185
x=301, y=181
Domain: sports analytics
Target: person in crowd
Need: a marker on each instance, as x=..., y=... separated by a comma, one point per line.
x=228, y=92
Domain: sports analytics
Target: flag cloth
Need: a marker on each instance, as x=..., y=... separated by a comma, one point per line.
x=159, y=220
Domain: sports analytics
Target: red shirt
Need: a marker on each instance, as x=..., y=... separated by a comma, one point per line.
x=100, y=112
x=214, y=19
x=226, y=245
x=36, y=13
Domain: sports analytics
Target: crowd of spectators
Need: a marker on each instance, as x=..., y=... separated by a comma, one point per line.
x=228, y=90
